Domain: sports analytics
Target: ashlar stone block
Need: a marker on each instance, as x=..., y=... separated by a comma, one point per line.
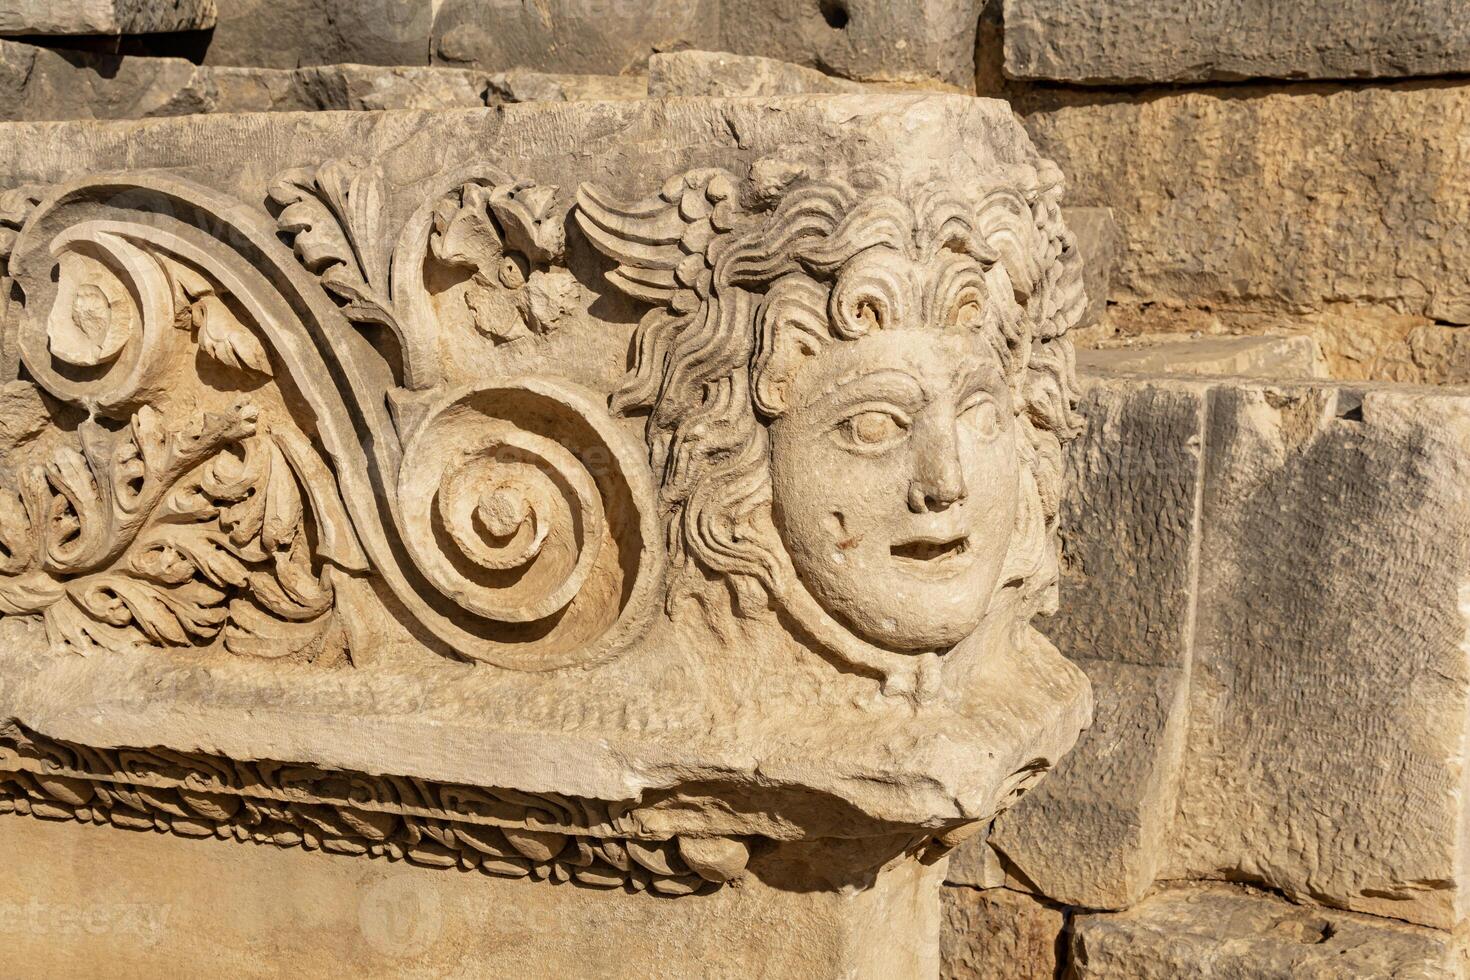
x=1111, y=42
x=1095, y=834
x=997, y=934
x=1327, y=748
x=1220, y=932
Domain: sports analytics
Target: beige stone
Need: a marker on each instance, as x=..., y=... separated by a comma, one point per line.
x=23, y=17
x=1327, y=735
x=998, y=934
x=83, y=899
x=1131, y=41
x=1097, y=241
x=1244, y=197
x=1262, y=357
x=405, y=504
x=1221, y=932
x=297, y=33
x=1094, y=835
x=868, y=40
x=717, y=73
x=41, y=84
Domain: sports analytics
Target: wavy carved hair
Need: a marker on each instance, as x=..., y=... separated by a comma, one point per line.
x=697, y=363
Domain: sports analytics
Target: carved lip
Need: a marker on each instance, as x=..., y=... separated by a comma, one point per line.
x=936, y=554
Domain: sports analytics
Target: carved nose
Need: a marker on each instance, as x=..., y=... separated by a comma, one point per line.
x=938, y=480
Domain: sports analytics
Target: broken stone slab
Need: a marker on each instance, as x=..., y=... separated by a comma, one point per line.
x=340, y=353
x=1296, y=356
x=1153, y=41
x=1222, y=932
x=1327, y=747
x=1094, y=835
x=66, y=17
x=1096, y=233
x=41, y=84
x=997, y=934
x=718, y=73
x=1371, y=177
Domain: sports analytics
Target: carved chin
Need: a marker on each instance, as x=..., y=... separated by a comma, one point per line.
x=896, y=602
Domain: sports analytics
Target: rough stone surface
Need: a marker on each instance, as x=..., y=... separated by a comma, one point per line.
x=82, y=900
x=998, y=934
x=42, y=84
x=1094, y=834
x=716, y=73
x=1096, y=232
x=570, y=35
x=1126, y=41
x=27, y=17
x=1224, y=933
x=1260, y=357
x=436, y=486
x=293, y=33
x=1244, y=198
x=868, y=40
x=1327, y=750
x=39, y=84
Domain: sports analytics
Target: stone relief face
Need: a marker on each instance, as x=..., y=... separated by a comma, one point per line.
x=894, y=483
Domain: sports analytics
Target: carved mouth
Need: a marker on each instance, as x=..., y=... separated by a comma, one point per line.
x=932, y=552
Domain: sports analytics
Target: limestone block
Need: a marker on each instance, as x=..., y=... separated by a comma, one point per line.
x=86, y=900
x=1223, y=933
x=570, y=35
x=437, y=486
x=867, y=40
x=1372, y=179
x=1286, y=358
x=1093, y=834
x=998, y=934
x=27, y=17
x=1327, y=751
x=1096, y=232
x=1136, y=41
x=716, y=73
x=293, y=33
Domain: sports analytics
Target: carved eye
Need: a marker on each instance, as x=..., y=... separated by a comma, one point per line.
x=873, y=429
x=981, y=416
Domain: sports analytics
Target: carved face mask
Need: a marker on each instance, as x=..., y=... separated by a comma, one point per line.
x=894, y=459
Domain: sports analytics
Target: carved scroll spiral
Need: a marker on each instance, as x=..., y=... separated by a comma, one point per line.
x=523, y=503
x=509, y=518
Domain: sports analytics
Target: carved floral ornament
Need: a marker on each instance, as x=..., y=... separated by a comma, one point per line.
x=854, y=395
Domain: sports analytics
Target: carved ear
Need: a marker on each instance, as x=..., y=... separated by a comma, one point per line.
x=661, y=243
x=793, y=328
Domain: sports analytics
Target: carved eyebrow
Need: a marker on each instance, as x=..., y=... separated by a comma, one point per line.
x=985, y=372
x=899, y=385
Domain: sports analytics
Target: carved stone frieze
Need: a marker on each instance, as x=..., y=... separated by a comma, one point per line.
x=619, y=514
